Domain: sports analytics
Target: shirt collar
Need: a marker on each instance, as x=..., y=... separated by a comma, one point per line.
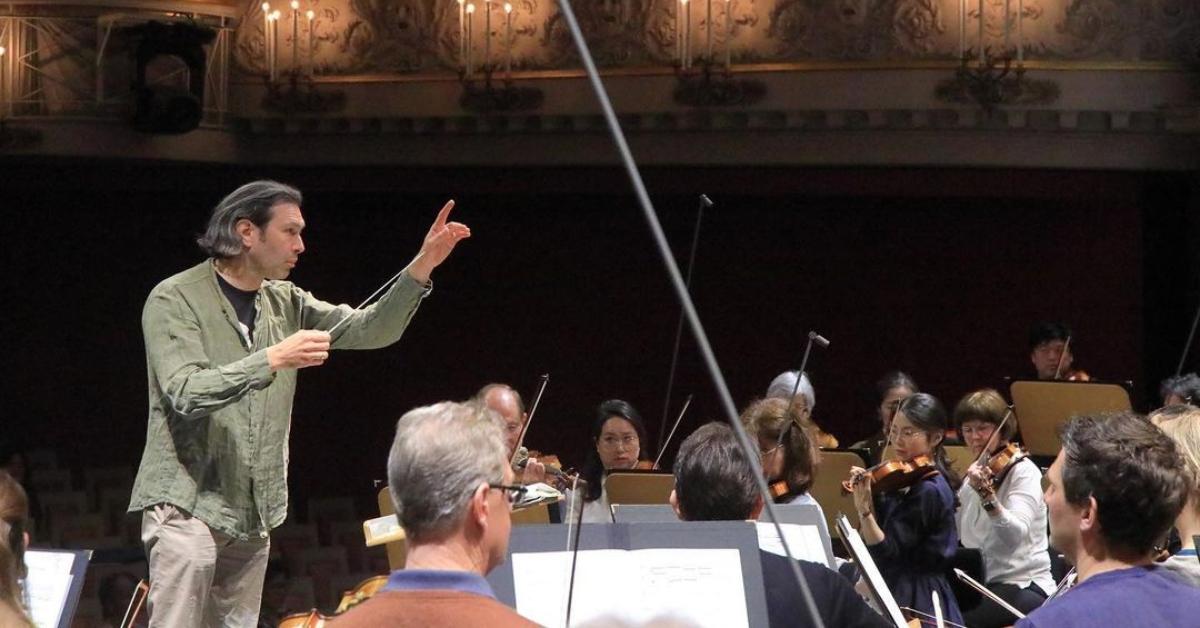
x=430, y=579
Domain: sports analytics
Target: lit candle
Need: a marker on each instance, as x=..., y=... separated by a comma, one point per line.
x=728, y=34
x=708, y=34
x=311, y=15
x=295, y=37
x=679, y=32
x=266, y=9
x=275, y=44
x=982, y=58
x=462, y=34
x=487, y=35
x=3, y=86
x=508, y=41
x=1020, y=32
x=470, y=25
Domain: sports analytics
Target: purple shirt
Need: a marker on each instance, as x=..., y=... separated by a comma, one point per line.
x=1137, y=596
x=431, y=579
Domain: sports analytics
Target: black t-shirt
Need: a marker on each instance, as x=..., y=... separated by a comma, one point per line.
x=242, y=302
x=836, y=599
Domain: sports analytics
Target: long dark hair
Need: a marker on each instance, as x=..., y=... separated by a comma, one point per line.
x=593, y=468
x=929, y=415
x=14, y=515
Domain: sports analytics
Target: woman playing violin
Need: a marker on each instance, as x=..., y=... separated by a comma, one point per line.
x=1002, y=512
x=618, y=442
x=910, y=531
x=788, y=453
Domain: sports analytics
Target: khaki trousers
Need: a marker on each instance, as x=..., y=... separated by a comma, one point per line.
x=200, y=577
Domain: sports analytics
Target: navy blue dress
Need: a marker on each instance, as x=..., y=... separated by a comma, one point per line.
x=920, y=539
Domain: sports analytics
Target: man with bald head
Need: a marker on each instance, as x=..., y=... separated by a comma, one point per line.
x=506, y=402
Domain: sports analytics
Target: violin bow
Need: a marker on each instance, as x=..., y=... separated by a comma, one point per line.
x=1188, y=345
x=687, y=402
x=1062, y=356
x=704, y=202
x=685, y=299
x=991, y=442
x=537, y=399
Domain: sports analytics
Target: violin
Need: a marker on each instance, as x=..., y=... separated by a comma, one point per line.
x=1000, y=462
x=779, y=489
x=556, y=476
x=359, y=594
x=893, y=475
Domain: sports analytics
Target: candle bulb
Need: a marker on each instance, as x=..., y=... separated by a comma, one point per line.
x=962, y=30
x=275, y=15
x=508, y=40
x=708, y=34
x=295, y=37
x=1020, y=33
x=982, y=58
x=470, y=25
x=687, y=34
x=311, y=43
x=728, y=34
x=462, y=34
x=679, y=32
x=1007, y=8
x=487, y=35
x=266, y=9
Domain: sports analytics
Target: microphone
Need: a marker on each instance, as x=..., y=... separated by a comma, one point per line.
x=819, y=339
x=705, y=201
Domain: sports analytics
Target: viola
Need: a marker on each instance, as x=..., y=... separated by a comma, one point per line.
x=311, y=619
x=893, y=475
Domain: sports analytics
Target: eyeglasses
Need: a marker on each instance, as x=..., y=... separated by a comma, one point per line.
x=766, y=452
x=905, y=433
x=612, y=442
x=512, y=493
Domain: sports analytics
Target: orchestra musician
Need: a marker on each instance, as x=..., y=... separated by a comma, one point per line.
x=715, y=482
x=803, y=403
x=787, y=450
x=910, y=532
x=1001, y=512
x=1180, y=390
x=505, y=401
x=889, y=390
x=14, y=537
x=1052, y=352
x=1114, y=489
x=618, y=442
x=1184, y=429
x=453, y=488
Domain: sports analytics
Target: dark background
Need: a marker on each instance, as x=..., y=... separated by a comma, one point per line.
x=936, y=272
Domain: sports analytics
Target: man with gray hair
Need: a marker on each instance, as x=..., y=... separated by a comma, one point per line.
x=453, y=489
x=802, y=403
x=224, y=340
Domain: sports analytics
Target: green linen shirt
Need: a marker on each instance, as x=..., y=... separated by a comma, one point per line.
x=217, y=438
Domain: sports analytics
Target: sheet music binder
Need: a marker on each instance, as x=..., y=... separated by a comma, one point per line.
x=737, y=535
x=639, y=487
x=70, y=600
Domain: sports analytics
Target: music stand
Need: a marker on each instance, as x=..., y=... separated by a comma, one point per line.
x=1042, y=406
x=870, y=573
x=56, y=578
x=639, y=487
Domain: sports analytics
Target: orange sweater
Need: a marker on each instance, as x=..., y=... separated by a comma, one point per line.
x=430, y=609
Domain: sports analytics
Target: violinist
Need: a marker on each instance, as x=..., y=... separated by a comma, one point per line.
x=1051, y=350
x=458, y=522
x=1001, y=511
x=805, y=400
x=618, y=442
x=889, y=390
x=1184, y=429
x=1180, y=390
x=910, y=532
x=788, y=453
x=507, y=402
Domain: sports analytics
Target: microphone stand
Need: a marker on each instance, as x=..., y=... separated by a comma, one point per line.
x=662, y=425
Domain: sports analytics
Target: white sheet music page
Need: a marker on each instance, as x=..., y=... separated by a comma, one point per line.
x=48, y=584
x=803, y=540
x=702, y=587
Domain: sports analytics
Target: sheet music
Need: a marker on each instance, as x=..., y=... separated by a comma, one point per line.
x=804, y=541
x=702, y=587
x=48, y=585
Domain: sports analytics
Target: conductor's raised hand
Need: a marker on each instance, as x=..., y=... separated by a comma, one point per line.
x=443, y=236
